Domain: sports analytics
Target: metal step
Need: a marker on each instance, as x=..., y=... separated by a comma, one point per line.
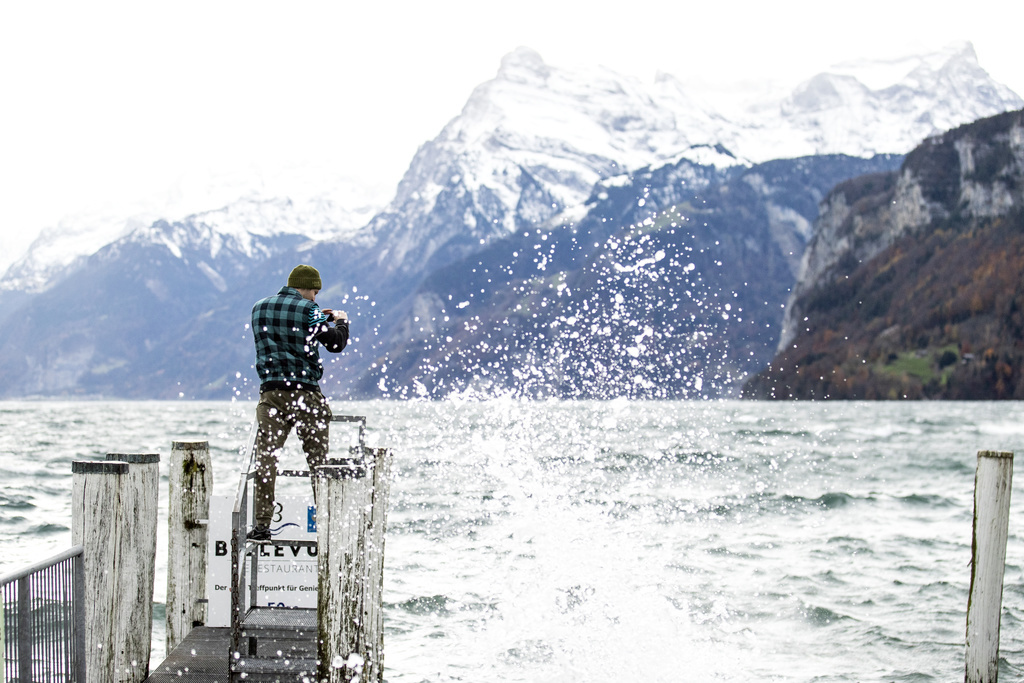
x=277, y=640
x=282, y=541
x=251, y=666
x=296, y=622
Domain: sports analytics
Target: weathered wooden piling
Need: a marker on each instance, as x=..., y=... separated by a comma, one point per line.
x=992, y=485
x=351, y=518
x=139, y=539
x=114, y=515
x=190, y=485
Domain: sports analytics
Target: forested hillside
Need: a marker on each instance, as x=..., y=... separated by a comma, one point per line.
x=913, y=283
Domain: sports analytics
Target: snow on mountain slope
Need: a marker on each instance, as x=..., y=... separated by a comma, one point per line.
x=316, y=220
x=869, y=107
x=59, y=247
x=569, y=128
x=529, y=144
x=239, y=221
x=534, y=141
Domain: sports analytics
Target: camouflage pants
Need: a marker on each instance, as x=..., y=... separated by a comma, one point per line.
x=276, y=414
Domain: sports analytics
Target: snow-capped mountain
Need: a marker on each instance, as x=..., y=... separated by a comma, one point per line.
x=59, y=248
x=532, y=142
x=528, y=144
x=232, y=212
x=871, y=107
x=161, y=309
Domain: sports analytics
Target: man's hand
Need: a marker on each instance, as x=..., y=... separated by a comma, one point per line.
x=335, y=316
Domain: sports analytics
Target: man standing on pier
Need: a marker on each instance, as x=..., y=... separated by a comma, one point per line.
x=289, y=328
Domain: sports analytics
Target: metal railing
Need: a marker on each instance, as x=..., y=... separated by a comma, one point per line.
x=42, y=615
x=244, y=554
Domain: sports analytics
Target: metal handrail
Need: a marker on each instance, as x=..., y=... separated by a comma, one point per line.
x=361, y=419
x=239, y=550
x=237, y=585
x=49, y=644
x=44, y=564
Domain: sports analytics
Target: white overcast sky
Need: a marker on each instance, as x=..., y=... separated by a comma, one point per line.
x=104, y=104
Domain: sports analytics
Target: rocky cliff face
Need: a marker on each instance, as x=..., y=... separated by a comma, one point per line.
x=924, y=263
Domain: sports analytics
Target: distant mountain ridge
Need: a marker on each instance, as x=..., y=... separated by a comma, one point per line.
x=538, y=157
x=668, y=287
x=565, y=130
x=838, y=113
x=911, y=286
x=228, y=209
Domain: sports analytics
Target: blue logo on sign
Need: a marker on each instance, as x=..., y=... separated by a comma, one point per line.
x=311, y=519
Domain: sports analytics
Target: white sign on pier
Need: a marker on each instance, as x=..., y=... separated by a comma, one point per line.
x=287, y=575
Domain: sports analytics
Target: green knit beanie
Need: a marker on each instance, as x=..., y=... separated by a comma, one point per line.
x=304, y=277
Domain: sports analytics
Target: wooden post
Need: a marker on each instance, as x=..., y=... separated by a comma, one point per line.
x=381, y=493
x=135, y=582
x=351, y=518
x=114, y=517
x=95, y=501
x=992, y=485
x=190, y=484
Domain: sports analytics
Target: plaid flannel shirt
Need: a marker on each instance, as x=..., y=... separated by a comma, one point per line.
x=284, y=327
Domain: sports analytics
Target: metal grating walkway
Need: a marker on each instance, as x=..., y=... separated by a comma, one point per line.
x=202, y=657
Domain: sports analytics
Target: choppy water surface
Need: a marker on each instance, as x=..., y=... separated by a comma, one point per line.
x=591, y=542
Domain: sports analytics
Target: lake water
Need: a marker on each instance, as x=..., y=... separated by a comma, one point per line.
x=593, y=542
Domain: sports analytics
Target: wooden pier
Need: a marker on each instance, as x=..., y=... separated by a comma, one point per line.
x=339, y=640
x=202, y=657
